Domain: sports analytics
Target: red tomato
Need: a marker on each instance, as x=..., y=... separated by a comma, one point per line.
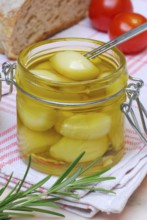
x=101, y=12
x=124, y=22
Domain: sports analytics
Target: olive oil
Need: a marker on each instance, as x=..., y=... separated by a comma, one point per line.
x=56, y=135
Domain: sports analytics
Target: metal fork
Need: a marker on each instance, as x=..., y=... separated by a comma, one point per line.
x=122, y=38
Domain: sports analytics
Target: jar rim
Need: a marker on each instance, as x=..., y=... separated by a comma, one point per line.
x=32, y=46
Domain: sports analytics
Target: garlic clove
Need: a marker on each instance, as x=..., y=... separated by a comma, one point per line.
x=74, y=65
x=35, y=117
x=68, y=149
x=86, y=126
x=36, y=142
x=49, y=75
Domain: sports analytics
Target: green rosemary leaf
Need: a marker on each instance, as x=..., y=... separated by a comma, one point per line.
x=11, y=192
x=17, y=214
x=47, y=204
x=86, y=181
x=5, y=218
x=6, y=185
x=104, y=190
x=37, y=185
x=13, y=204
x=48, y=200
x=94, y=189
x=25, y=175
x=91, y=165
x=29, y=199
x=97, y=174
x=40, y=201
x=25, y=201
x=68, y=170
x=9, y=199
x=34, y=209
x=67, y=181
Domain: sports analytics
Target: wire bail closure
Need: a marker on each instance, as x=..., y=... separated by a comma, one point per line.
x=9, y=72
x=132, y=91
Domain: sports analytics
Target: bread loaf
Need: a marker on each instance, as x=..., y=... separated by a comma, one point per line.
x=23, y=22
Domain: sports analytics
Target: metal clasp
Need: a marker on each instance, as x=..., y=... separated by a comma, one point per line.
x=133, y=92
x=9, y=71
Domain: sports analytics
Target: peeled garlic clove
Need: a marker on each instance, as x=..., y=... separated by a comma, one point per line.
x=36, y=142
x=47, y=74
x=68, y=149
x=74, y=66
x=85, y=126
x=34, y=117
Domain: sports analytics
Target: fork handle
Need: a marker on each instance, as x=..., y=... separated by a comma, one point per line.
x=116, y=41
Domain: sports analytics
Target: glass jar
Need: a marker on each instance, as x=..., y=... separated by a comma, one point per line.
x=56, y=121
x=67, y=118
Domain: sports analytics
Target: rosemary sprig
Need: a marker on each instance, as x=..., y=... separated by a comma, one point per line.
x=24, y=203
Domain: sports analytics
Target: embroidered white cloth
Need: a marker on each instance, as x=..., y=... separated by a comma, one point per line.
x=129, y=172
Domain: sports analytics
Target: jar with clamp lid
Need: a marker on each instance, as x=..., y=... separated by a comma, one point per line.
x=58, y=117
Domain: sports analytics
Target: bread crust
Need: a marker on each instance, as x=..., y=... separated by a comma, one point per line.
x=8, y=16
x=9, y=24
